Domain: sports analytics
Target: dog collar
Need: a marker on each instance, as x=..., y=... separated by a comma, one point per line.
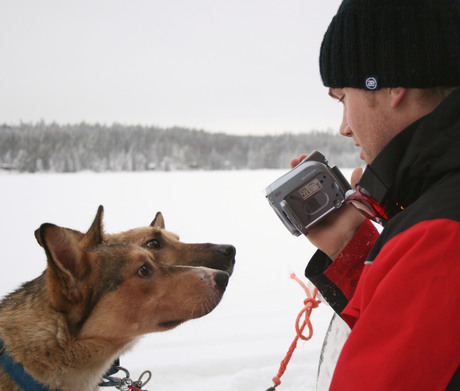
x=17, y=373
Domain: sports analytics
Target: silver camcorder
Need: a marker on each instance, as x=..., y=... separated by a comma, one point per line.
x=307, y=193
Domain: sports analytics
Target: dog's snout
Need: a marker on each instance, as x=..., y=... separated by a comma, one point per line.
x=221, y=279
x=227, y=250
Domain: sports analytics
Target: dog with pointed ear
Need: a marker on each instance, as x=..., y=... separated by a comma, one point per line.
x=59, y=327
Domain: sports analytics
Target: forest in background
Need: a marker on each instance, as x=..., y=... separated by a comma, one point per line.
x=52, y=147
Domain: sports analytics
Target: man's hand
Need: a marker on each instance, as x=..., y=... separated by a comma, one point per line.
x=333, y=233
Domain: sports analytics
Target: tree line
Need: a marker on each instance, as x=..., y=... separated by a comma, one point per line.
x=52, y=147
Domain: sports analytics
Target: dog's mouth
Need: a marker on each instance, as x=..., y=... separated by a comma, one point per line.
x=171, y=323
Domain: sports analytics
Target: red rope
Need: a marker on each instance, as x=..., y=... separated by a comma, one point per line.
x=310, y=302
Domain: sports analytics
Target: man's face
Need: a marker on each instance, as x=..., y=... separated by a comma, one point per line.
x=366, y=118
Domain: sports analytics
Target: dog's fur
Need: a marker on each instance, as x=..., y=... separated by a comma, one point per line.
x=101, y=292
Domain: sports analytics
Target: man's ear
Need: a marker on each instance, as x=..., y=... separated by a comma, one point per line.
x=397, y=94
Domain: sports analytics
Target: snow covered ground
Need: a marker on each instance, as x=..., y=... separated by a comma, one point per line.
x=239, y=346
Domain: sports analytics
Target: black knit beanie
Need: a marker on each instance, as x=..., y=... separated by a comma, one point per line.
x=373, y=44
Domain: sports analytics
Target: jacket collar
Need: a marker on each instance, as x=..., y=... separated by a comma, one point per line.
x=416, y=157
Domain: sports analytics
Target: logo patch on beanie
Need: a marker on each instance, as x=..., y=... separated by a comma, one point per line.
x=371, y=83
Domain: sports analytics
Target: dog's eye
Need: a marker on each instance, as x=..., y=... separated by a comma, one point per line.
x=154, y=243
x=144, y=271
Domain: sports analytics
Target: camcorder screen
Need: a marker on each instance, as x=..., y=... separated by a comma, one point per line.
x=308, y=199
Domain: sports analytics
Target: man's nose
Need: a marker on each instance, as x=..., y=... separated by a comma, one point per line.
x=345, y=129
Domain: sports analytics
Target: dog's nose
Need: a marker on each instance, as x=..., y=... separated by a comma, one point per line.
x=227, y=250
x=221, y=279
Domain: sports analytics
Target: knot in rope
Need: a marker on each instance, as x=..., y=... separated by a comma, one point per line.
x=309, y=303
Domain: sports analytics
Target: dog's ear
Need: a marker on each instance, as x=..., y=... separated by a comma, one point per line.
x=67, y=259
x=95, y=232
x=158, y=221
x=66, y=264
x=37, y=237
x=79, y=235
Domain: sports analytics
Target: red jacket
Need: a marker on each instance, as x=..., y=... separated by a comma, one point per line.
x=399, y=291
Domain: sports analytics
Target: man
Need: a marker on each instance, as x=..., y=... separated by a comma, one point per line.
x=395, y=67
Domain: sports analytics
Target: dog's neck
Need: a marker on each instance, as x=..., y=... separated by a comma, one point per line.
x=47, y=350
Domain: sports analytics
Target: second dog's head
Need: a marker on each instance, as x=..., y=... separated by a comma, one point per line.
x=167, y=248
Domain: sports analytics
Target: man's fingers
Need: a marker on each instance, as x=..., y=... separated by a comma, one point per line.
x=356, y=176
x=296, y=161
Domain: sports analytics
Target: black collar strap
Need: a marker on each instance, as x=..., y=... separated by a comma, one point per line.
x=16, y=371
x=377, y=188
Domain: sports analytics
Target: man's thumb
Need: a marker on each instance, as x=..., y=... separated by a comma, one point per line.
x=356, y=176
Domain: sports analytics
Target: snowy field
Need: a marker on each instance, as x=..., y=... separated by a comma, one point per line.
x=237, y=347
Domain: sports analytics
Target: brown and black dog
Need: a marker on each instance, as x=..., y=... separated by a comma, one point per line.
x=166, y=247
x=98, y=294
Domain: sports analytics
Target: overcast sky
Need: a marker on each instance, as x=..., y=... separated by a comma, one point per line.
x=237, y=66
